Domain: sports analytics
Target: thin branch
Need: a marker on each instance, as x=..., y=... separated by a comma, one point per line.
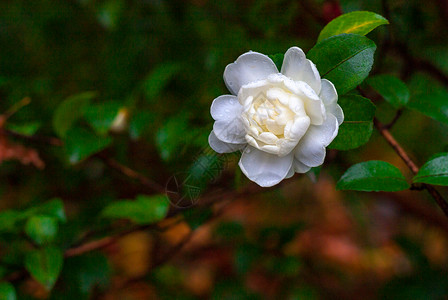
x=411, y=165
x=394, y=120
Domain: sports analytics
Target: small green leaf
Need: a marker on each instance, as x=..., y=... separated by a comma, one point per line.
x=434, y=171
x=433, y=105
x=101, y=116
x=358, y=125
x=52, y=208
x=392, y=89
x=45, y=265
x=358, y=22
x=70, y=110
x=144, y=210
x=25, y=128
x=277, y=59
x=42, y=229
x=373, y=176
x=345, y=60
x=81, y=143
x=159, y=78
x=7, y=291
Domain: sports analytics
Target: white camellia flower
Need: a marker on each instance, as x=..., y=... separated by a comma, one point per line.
x=282, y=121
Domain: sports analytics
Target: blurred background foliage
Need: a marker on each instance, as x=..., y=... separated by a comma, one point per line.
x=91, y=88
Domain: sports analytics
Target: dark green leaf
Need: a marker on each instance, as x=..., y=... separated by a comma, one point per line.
x=101, y=116
x=358, y=22
x=392, y=89
x=70, y=110
x=141, y=122
x=7, y=291
x=434, y=171
x=81, y=143
x=42, y=229
x=345, y=60
x=45, y=265
x=358, y=126
x=173, y=136
x=434, y=105
x=159, y=78
x=8, y=220
x=53, y=208
x=144, y=210
x=373, y=176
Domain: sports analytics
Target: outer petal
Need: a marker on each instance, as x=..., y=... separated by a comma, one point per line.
x=222, y=147
x=230, y=131
x=263, y=168
x=299, y=167
x=297, y=67
x=328, y=93
x=249, y=67
x=311, y=149
x=225, y=107
x=314, y=107
x=329, y=97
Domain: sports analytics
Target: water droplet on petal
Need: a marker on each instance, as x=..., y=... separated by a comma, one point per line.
x=247, y=150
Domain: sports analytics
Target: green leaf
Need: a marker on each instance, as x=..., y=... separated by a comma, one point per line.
x=7, y=291
x=173, y=136
x=159, y=78
x=144, y=210
x=345, y=60
x=277, y=59
x=373, y=176
x=392, y=89
x=101, y=116
x=358, y=125
x=141, y=123
x=42, y=229
x=434, y=105
x=434, y=171
x=52, y=208
x=358, y=22
x=70, y=110
x=25, y=128
x=81, y=143
x=45, y=265
x=9, y=219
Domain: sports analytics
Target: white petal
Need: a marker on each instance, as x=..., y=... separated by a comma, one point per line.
x=297, y=67
x=336, y=111
x=328, y=93
x=290, y=172
x=249, y=67
x=263, y=168
x=222, y=147
x=225, y=107
x=299, y=167
x=313, y=105
x=311, y=148
x=230, y=131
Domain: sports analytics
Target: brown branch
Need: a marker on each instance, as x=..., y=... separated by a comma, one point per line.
x=411, y=165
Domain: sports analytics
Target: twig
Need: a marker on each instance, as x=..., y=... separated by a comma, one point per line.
x=394, y=120
x=411, y=165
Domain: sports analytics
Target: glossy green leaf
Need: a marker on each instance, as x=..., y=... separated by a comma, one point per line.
x=45, y=265
x=159, y=78
x=358, y=22
x=144, y=210
x=392, y=89
x=434, y=171
x=373, y=176
x=70, y=110
x=7, y=291
x=357, y=126
x=81, y=143
x=41, y=229
x=345, y=60
x=433, y=105
x=101, y=116
x=53, y=208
